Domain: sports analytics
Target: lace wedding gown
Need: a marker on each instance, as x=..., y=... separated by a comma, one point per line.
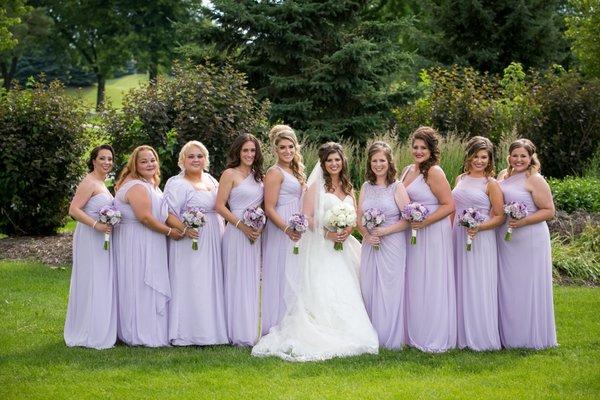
x=325, y=314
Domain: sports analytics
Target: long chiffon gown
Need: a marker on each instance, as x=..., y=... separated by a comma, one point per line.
x=277, y=248
x=525, y=277
x=197, y=305
x=142, y=272
x=430, y=290
x=476, y=271
x=241, y=265
x=92, y=309
x=382, y=271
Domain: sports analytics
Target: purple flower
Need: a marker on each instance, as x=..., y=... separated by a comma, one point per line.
x=514, y=210
x=414, y=212
x=371, y=219
x=470, y=218
x=194, y=217
x=299, y=223
x=255, y=218
x=109, y=215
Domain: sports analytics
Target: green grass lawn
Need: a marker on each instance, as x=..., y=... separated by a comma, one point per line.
x=115, y=89
x=34, y=362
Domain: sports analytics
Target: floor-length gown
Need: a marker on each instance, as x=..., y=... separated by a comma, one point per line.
x=476, y=271
x=241, y=265
x=142, y=272
x=276, y=248
x=525, y=297
x=430, y=287
x=328, y=318
x=92, y=309
x=197, y=305
x=382, y=271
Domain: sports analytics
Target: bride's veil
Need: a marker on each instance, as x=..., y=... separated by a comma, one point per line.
x=297, y=266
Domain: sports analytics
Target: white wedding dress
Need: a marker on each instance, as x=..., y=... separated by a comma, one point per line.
x=325, y=314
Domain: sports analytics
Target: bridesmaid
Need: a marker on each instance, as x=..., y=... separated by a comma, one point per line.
x=382, y=271
x=197, y=307
x=92, y=310
x=283, y=188
x=477, y=270
x=241, y=187
x=525, y=265
x=141, y=252
x=430, y=290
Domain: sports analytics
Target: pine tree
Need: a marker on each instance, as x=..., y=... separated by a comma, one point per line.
x=324, y=65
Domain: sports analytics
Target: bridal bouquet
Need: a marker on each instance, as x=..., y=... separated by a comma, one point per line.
x=194, y=217
x=414, y=212
x=338, y=218
x=109, y=215
x=514, y=210
x=470, y=218
x=299, y=223
x=371, y=219
x=255, y=218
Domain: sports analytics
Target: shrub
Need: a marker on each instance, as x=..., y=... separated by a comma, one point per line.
x=41, y=148
x=204, y=102
x=579, y=258
x=567, y=132
x=573, y=193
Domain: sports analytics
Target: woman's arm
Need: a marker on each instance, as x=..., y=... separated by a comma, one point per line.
x=441, y=190
x=225, y=185
x=85, y=190
x=140, y=202
x=401, y=199
x=497, y=210
x=542, y=197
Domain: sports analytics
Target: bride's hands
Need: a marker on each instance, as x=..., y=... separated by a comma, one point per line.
x=339, y=236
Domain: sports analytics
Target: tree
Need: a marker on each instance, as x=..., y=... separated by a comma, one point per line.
x=30, y=34
x=154, y=25
x=583, y=25
x=10, y=15
x=325, y=67
x=99, y=35
x=489, y=35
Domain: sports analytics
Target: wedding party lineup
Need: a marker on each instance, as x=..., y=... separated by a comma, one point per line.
x=268, y=256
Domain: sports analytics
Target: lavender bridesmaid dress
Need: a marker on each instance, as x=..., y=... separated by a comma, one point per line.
x=430, y=290
x=276, y=248
x=476, y=271
x=92, y=309
x=382, y=271
x=525, y=277
x=142, y=272
x=197, y=306
x=241, y=266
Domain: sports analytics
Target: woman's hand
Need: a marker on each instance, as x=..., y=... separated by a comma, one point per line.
x=516, y=223
x=191, y=233
x=419, y=225
x=379, y=232
x=472, y=231
x=175, y=234
x=292, y=234
x=104, y=228
x=372, y=239
x=252, y=234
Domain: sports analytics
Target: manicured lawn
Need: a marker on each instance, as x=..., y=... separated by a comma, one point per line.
x=34, y=362
x=115, y=89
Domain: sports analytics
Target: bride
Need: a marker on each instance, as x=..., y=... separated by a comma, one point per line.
x=325, y=315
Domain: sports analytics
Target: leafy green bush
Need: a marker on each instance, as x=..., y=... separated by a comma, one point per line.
x=574, y=193
x=201, y=102
x=580, y=257
x=41, y=148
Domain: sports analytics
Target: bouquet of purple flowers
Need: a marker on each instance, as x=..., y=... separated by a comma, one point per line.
x=470, y=218
x=255, y=218
x=109, y=215
x=195, y=218
x=414, y=212
x=371, y=219
x=514, y=210
x=299, y=223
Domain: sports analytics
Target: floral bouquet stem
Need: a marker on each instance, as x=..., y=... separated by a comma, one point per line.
x=414, y=212
x=195, y=218
x=109, y=215
x=515, y=210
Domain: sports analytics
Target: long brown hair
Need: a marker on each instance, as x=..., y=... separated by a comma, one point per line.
x=94, y=155
x=324, y=151
x=387, y=150
x=130, y=169
x=474, y=146
x=534, y=165
x=432, y=140
x=285, y=132
x=234, y=159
